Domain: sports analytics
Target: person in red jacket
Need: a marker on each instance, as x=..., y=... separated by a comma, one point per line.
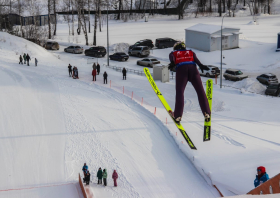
x=185, y=62
x=115, y=177
x=94, y=74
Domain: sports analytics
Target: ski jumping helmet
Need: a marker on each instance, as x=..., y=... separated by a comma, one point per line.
x=179, y=46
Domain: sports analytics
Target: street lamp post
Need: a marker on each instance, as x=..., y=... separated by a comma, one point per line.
x=221, y=72
x=107, y=37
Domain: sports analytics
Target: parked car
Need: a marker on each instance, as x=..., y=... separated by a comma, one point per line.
x=98, y=51
x=211, y=72
x=74, y=49
x=139, y=51
x=149, y=62
x=267, y=79
x=165, y=42
x=120, y=56
x=145, y=42
x=52, y=45
x=273, y=90
x=234, y=74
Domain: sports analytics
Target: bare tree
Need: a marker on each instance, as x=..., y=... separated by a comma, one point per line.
x=49, y=18
x=88, y=16
x=82, y=18
x=54, y=12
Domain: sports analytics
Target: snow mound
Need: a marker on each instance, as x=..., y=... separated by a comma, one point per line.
x=250, y=85
x=120, y=47
x=253, y=23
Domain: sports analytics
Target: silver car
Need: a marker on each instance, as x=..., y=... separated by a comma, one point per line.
x=234, y=74
x=149, y=62
x=74, y=49
x=139, y=51
x=267, y=79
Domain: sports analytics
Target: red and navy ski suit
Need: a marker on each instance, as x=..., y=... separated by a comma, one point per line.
x=186, y=70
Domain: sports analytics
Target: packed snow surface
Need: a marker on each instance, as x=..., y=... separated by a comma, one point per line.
x=51, y=124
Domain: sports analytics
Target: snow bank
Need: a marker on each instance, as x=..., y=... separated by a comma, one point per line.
x=250, y=85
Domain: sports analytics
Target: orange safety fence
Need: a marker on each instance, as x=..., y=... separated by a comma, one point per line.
x=271, y=186
x=82, y=187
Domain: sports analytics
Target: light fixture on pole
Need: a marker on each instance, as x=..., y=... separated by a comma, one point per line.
x=221, y=72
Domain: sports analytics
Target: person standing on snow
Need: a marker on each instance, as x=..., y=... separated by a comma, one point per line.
x=115, y=177
x=185, y=63
x=105, y=75
x=104, y=175
x=261, y=177
x=85, y=168
x=98, y=69
x=70, y=70
x=94, y=74
x=124, y=73
x=87, y=177
x=36, y=61
x=24, y=57
x=94, y=66
x=28, y=59
x=75, y=73
x=99, y=176
x=20, y=60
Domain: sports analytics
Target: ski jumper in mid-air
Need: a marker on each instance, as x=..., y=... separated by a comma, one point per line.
x=185, y=63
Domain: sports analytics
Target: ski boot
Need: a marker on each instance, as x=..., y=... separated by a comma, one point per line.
x=207, y=117
x=177, y=120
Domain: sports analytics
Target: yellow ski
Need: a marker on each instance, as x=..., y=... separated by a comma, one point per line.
x=167, y=107
x=207, y=125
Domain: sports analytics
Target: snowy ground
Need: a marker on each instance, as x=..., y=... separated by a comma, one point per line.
x=52, y=124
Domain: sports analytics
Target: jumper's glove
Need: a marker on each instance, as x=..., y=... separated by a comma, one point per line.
x=203, y=67
x=171, y=66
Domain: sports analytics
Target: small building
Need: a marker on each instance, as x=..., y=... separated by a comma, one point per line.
x=207, y=37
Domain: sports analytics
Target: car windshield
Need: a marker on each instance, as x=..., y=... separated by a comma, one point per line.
x=137, y=43
x=77, y=47
x=271, y=77
x=273, y=86
x=238, y=73
x=121, y=53
x=154, y=59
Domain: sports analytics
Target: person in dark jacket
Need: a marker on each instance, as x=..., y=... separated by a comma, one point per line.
x=87, y=177
x=20, y=60
x=70, y=70
x=98, y=69
x=99, y=176
x=24, y=58
x=185, y=63
x=94, y=74
x=28, y=59
x=115, y=177
x=105, y=75
x=85, y=168
x=104, y=175
x=124, y=73
x=261, y=177
x=75, y=73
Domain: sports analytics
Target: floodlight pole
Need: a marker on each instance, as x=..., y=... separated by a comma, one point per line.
x=221, y=72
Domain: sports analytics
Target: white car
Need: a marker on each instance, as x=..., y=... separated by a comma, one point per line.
x=211, y=72
x=149, y=62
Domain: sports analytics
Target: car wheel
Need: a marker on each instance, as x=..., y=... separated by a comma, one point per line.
x=207, y=75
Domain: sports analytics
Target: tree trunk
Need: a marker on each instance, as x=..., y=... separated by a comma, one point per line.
x=72, y=20
x=88, y=17
x=49, y=18
x=130, y=11
x=54, y=11
x=99, y=18
x=120, y=6
x=95, y=22
x=220, y=8
x=224, y=6
x=210, y=5
x=268, y=7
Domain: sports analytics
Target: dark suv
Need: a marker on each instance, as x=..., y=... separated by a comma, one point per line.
x=165, y=42
x=267, y=79
x=273, y=90
x=96, y=51
x=145, y=42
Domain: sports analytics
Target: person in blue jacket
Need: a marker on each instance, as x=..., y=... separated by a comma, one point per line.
x=85, y=168
x=261, y=177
